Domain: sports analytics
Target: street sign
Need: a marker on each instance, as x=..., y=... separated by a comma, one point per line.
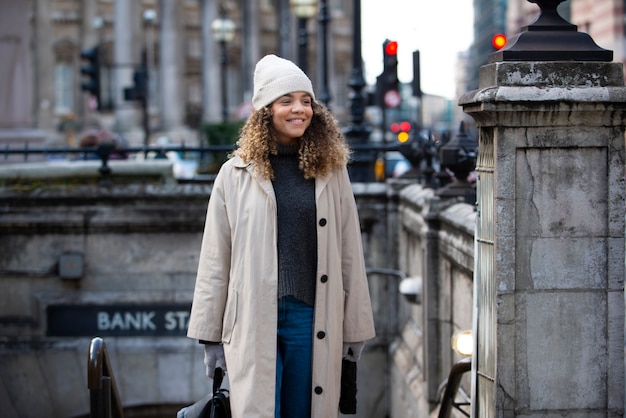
x=392, y=98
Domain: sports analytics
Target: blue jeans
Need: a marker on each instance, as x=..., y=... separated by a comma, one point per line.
x=294, y=359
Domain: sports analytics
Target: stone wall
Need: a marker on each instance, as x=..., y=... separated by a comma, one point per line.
x=436, y=244
x=79, y=260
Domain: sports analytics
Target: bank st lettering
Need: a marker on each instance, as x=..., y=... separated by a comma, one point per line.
x=176, y=320
x=126, y=321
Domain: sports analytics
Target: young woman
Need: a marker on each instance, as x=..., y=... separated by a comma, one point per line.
x=281, y=294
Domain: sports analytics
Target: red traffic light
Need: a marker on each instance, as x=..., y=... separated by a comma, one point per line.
x=391, y=48
x=400, y=127
x=498, y=41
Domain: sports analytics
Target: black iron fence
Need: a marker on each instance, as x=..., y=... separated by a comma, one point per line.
x=446, y=167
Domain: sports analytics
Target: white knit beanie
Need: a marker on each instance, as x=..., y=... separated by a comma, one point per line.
x=275, y=77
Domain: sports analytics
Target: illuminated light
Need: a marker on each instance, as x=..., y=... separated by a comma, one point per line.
x=499, y=41
x=463, y=343
x=395, y=127
x=391, y=48
x=405, y=126
x=403, y=137
x=379, y=169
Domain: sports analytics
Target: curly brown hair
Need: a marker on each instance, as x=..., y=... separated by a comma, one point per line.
x=322, y=147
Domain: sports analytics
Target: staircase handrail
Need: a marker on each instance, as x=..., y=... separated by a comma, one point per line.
x=104, y=399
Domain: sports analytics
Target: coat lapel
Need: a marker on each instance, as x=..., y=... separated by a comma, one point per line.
x=320, y=185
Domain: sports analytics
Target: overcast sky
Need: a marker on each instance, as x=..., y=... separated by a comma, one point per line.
x=439, y=29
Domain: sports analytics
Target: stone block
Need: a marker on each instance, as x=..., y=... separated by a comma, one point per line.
x=506, y=375
x=564, y=358
x=615, y=337
x=16, y=299
x=69, y=396
x=505, y=273
x=26, y=385
x=551, y=74
x=557, y=263
x=615, y=266
x=462, y=295
x=561, y=192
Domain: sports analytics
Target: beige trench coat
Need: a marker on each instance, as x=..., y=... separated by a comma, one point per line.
x=235, y=297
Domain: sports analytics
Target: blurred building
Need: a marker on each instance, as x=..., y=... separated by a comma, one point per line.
x=489, y=19
x=174, y=40
x=604, y=21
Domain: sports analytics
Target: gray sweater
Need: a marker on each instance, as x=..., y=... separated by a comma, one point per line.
x=297, y=228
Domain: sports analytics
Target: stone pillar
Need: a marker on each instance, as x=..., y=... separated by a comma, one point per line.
x=125, y=58
x=251, y=54
x=210, y=65
x=44, y=62
x=549, y=272
x=171, y=63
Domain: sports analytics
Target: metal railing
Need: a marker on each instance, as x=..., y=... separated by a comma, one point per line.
x=107, y=151
x=104, y=398
x=452, y=388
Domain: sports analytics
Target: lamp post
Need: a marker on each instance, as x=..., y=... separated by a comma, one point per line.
x=98, y=24
x=149, y=19
x=322, y=48
x=358, y=131
x=223, y=32
x=303, y=10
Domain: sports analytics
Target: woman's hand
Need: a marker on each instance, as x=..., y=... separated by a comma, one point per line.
x=352, y=351
x=213, y=357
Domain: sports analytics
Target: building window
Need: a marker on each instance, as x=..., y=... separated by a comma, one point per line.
x=63, y=88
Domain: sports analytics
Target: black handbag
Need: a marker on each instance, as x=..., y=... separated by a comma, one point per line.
x=219, y=404
x=214, y=405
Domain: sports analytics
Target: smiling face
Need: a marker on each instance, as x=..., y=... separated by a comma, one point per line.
x=292, y=114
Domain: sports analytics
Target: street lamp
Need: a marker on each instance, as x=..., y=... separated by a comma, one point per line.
x=223, y=32
x=149, y=19
x=358, y=131
x=323, y=19
x=304, y=10
x=98, y=24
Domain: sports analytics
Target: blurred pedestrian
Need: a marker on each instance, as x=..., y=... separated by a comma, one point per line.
x=281, y=294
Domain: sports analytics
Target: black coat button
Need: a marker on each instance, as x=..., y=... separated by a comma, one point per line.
x=319, y=390
x=324, y=278
x=321, y=334
x=323, y=222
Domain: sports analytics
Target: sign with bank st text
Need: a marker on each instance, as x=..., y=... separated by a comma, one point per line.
x=128, y=320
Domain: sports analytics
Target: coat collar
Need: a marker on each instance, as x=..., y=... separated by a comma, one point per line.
x=266, y=185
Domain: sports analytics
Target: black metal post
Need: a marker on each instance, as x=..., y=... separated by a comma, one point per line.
x=145, y=97
x=358, y=132
x=322, y=34
x=223, y=64
x=303, y=44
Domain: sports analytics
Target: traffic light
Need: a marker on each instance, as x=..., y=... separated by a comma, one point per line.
x=499, y=41
x=417, y=83
x=401, y=129
x=389, y=89
x=139, y=90
x=91, y=69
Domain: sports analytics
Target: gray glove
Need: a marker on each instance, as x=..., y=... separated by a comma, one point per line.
x=213, y=357
x=352, y=351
